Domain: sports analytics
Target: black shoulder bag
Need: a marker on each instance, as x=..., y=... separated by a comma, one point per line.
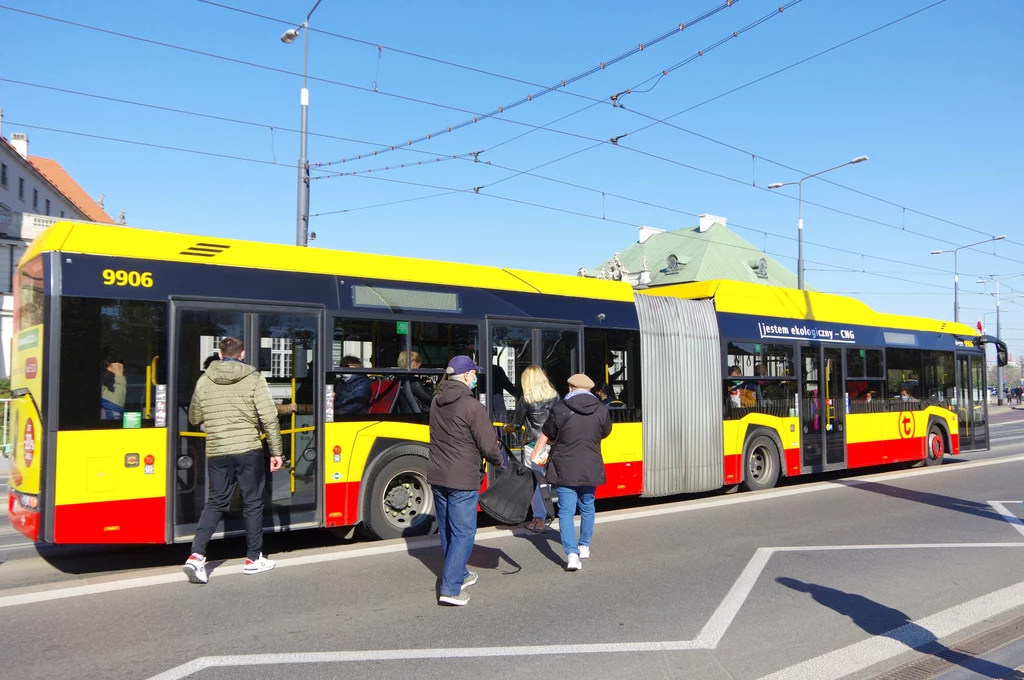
x=507, y=499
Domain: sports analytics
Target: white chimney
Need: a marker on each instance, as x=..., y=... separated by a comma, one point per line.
x=19, y=140
x=647, y=232
x=707, y=220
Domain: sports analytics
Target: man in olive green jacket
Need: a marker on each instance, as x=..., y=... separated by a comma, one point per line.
x=231, y=401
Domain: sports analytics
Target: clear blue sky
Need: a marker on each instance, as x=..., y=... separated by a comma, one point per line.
x=935, y=101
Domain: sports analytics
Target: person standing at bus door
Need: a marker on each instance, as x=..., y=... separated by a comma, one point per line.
x=231, y=400
x=461, y=435
x=576, y=425
x=113, y=391
x=499, y=385
x=352, y=393
x=532, y=410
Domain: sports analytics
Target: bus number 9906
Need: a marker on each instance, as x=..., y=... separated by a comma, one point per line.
x=120, y=277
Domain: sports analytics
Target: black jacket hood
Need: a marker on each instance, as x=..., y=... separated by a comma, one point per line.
x=584, y=404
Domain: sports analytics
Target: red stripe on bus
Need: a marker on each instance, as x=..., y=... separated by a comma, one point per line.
x=733, y=470
x=793, y=462
x=138, y=520
x=341, y=504
x=884, y=452
x=24, y=520
x=622, y=479
x=956, y=443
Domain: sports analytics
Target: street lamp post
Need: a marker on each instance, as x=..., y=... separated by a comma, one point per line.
x=302, y=220
x=956, y=271
x=800, y=218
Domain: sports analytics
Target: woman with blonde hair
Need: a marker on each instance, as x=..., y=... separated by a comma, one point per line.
x=532, y=410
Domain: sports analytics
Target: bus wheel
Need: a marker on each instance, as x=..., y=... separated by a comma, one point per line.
x=936, y=446
x=401, y=503
x=760, y=464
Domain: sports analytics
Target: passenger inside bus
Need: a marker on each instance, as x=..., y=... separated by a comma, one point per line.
x=352, y=392
x=113, y=390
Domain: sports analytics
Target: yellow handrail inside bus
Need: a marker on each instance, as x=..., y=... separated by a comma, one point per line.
x=292, y=471
x=150, y=384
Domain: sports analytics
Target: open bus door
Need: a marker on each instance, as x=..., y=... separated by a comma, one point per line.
x=282, y=343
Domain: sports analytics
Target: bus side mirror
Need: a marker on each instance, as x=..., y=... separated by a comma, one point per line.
x=1001, y=355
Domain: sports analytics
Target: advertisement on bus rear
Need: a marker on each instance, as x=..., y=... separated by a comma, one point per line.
x=25, y=423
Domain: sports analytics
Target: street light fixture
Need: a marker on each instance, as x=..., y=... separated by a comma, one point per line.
x=956, y=271
x=302, y=219
x=800, y=220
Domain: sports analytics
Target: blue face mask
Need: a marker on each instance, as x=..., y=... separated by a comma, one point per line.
x=472, y=385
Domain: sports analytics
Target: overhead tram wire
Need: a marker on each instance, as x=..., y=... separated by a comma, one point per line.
x=614, y=141
x=662, y=121
x=275, y=69
x=499, y=111
x=198, y=114
x=931, y=269
x=451, y=190
x=151, y=145
x=107, y=31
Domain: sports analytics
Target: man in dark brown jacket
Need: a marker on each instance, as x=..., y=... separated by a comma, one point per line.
x=461, y=435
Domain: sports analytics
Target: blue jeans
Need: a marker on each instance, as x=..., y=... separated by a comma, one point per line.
x=569, y=497
x=456, y=522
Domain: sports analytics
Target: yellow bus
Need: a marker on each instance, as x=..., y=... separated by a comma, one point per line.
x=714, y=384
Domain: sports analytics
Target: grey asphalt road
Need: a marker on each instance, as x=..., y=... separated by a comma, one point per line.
x=816, y=579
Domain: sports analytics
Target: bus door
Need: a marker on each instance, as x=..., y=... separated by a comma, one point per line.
x=972, y=402
x=282, y=343
x=516, y=345
x=822, y=408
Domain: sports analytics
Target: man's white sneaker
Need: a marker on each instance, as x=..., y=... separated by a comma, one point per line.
x=454, y=600
x=584, y=552
x=260, y=565
x=471, y=579
x=574, y=562
x=195, y=569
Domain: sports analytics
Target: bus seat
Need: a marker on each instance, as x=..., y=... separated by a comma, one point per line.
x=383, y=394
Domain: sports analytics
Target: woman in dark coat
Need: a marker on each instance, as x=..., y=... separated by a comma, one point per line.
x=576, y=426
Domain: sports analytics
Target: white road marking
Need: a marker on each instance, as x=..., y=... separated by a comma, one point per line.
x=888, y=645
x=408, y=545
x=1014, y=521
x=712, y=632
x=860, y=655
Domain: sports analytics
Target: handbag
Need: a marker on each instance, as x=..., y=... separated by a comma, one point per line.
x=507, y=498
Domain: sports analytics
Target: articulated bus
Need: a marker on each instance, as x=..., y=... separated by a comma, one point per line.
x=718, y=383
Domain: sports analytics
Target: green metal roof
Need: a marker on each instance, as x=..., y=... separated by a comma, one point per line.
x=717, y=253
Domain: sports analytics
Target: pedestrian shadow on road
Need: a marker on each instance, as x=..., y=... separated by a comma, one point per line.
x=482, y=557
x=975, y=508
x=877, y=619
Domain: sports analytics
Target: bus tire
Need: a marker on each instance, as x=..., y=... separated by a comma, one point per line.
x=400, y=503
x=935, y=446
x=761, y=463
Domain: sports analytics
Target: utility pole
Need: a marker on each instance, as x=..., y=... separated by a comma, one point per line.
x=302, y=218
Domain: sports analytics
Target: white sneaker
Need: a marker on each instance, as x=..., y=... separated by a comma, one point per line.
x=260, y=565
x=459, y=600
x=195, y=569
x=574, y=562
x=584, y=552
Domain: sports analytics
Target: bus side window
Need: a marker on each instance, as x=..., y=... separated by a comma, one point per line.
x=108, y=351
x=612, y=356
